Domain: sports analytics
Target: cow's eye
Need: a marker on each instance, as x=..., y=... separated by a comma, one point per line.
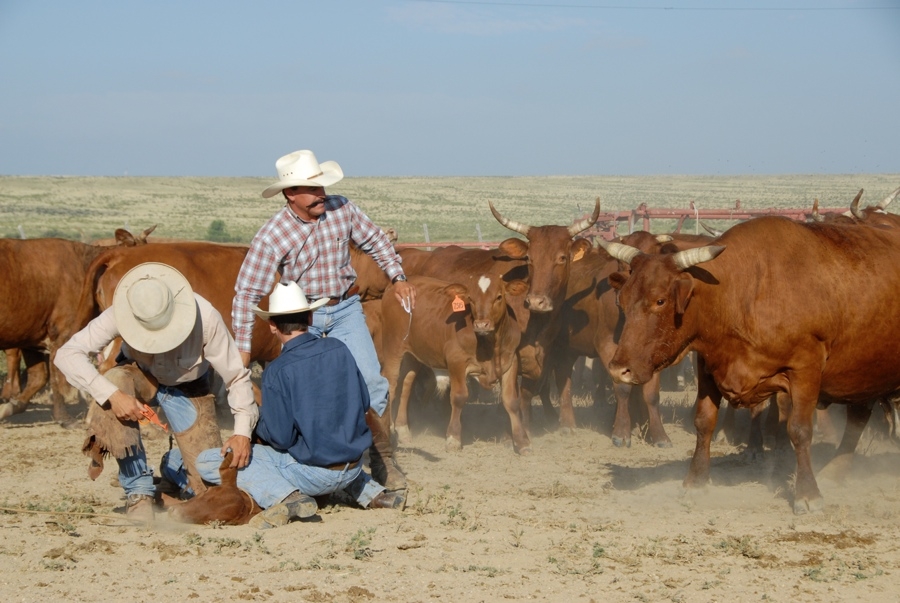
x=660, y=302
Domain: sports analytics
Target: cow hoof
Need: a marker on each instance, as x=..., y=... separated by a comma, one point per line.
x=6, y=410
x=664, y=444
x=452, y=444
x=526, y=451
x=70, y=423
x=802, y=506
x=621, y=442
x=567, y=431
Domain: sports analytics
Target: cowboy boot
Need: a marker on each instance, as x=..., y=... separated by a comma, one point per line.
x=200, y=436
x=381, y=453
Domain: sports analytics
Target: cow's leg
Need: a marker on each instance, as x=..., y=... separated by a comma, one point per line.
x=655, y=431
x=755, y=440
x=563, y=370
x=728, y=431
x=621, y=433
x=401, y=423
x=11, y=385
x=459, y=396
x=59, y=388
x=35, y=379
x=510, y=398
x=825, y=425
x=705, y=415
x=528, y=389
x=857, y=418
x=807, y=498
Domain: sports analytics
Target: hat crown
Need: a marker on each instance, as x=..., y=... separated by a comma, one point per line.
x=299, y=164
x=152, y=303
x=288, y=298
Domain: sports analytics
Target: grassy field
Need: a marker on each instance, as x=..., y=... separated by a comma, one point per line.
x=453, y=208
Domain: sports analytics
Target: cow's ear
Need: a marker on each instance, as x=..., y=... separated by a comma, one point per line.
x=455, y=289
x=682, y=289
x=617, y=280
x=517, y=287
x=514, y=248
x=580, y=246
x=125, y=238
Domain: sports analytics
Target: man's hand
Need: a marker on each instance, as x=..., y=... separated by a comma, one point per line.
x=405, y=294
x=126, y=407
x=240, y=446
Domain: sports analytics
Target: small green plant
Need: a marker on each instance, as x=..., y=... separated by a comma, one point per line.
x=359, y=543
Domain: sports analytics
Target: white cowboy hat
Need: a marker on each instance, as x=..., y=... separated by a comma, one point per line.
x=300, y=168
x=288, y=298
x=154, y=307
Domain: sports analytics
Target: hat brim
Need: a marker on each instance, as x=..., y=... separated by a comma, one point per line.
x=184, y=314
x=265, y=315
x=331, y=174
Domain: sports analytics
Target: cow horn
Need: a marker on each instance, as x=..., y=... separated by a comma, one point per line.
x=854, y=206
x=816, y=216
x=664, y=238
x=888, y=199
x=584, y=224
x=691, y=257
x=513, y=226
x=710, y=229
x=626, y=253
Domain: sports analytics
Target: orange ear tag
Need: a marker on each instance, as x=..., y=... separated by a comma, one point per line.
x=458, y=304
x=578, y=255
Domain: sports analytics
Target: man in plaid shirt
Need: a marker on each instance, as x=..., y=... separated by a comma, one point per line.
x=308, y=242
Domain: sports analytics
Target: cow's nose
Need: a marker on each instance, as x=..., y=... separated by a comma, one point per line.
x=538, y=303
x=483, y=327
x=621, y=374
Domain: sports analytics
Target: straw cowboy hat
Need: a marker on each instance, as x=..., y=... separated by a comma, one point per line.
x=288, y=298
x=300, y=168
x=154, y=307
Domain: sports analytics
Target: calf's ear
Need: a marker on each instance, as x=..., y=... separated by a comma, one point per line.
x=617, y=280
x=682, y=289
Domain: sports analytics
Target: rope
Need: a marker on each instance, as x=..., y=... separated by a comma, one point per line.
x=406, y=306
x=77, y=513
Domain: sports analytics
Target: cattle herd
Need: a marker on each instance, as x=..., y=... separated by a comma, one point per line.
x=805, y=314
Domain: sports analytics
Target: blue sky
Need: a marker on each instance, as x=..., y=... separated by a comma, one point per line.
x=428, y=88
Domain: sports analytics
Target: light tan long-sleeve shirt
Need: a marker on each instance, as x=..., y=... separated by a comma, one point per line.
x=209, y=344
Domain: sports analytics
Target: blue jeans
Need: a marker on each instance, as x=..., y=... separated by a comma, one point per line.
x=135, y=475
x=272, y=475
x=345, y=321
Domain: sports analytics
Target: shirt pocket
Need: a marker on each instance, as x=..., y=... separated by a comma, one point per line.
x=187, y=363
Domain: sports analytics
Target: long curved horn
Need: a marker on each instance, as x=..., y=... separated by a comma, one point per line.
x=513, y=226
x=816, y=216
x=854, y=206
x=888, y=199
x=581, y=225
x=710, y=229
x=626, y=253
x=691, y=257
x=664, y=238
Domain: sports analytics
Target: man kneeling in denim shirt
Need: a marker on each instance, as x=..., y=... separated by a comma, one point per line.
x=312, y=422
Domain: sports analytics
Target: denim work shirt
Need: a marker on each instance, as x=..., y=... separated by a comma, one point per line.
x=315, y=402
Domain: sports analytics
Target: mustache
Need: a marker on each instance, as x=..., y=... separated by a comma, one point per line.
x=316, y=203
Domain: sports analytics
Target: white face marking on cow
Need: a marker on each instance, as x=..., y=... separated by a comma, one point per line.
x=483, y=283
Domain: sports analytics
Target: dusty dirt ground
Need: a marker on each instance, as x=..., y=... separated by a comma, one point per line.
x=577, y=520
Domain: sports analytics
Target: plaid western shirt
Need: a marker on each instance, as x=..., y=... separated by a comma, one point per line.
x=316, y=255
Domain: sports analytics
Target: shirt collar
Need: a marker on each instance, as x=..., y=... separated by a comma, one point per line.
x=297, y=341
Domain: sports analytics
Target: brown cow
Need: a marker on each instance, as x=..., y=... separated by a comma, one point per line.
x=804, y=309
x=40, y=310
x=224, y=504
x=549, y=251
x=439, y=336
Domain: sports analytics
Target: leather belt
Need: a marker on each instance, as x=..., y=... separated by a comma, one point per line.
x=347, y=294
x=343, y=466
